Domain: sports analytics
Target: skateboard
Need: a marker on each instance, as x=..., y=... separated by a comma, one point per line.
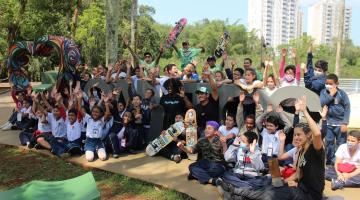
x=222, y=43
x=191, y=131
x=165, y=138
x=175, y=32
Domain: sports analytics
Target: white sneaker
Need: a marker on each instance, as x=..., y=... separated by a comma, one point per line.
x=7, y=127
x=2, y=126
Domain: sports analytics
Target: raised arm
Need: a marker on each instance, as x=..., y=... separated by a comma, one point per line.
x=126, y=44
x=176, y=50
x=282, y=62
x=239, y=112
x=265, y=75
x=214, y=88
x=309, y=69
x=108, y=77
x=316, y=134
x=161, y=51
x=297, y=65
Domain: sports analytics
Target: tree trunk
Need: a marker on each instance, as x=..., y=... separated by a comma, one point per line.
x=133, y=27
x=112, y=24
x=75, y=19
x=340, y=37
x=133, y=24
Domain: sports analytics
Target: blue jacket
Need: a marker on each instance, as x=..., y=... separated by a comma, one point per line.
x=339, y=107
x=312, y=82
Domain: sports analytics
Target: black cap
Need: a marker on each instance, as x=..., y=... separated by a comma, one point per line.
x=211, y=58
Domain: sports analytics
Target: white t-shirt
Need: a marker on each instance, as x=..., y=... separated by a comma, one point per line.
x=24, y=111
x=58, y=127
x=162, y=81
x=243, y=81
x=44, y=127
x=343, y=153
x=93, y=128
x=122, y=75
x=285, y=83
x=270, y=141
x=73, y=131
x=269, y=92
x=293, y=153
x=134, y=80
x=226, y=132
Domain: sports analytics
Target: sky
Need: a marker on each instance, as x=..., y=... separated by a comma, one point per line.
x=170, y=11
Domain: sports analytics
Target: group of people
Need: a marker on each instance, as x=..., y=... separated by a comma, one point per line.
x=232, y=156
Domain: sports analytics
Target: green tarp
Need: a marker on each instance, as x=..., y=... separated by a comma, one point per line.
x=79, y=188
x=42, y=87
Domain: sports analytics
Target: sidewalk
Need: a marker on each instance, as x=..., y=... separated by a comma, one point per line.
x=156, y=170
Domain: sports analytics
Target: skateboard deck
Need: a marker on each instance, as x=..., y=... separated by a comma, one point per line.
x=175, y=32
x=191, y=131
x=222, y=43
x=165, y=138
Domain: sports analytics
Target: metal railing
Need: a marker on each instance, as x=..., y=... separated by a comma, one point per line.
x=347, y=84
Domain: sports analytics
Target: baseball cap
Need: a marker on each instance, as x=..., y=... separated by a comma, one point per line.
x=211, y=58
x=202, y=90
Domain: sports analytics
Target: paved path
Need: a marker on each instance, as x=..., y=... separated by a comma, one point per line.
x=155, y=170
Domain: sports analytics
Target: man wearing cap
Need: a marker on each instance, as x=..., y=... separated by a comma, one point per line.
x=208, y=107
x=187, y=54
x=148, y=63
x=213, y=67
x=210, y=164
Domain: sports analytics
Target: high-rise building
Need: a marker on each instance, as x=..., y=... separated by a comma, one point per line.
x=278, y=21
x=324, y=20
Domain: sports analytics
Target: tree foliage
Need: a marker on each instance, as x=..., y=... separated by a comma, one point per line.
x=54, y=18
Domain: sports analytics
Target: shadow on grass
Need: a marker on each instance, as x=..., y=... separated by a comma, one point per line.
x=19, y=166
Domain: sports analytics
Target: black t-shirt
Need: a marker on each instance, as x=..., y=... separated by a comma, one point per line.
x=209, y=112
x=312, y=166
x=173, y=104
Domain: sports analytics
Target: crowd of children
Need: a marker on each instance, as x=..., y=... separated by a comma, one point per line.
x=234, y=155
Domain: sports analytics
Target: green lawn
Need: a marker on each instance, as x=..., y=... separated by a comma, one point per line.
x=19, y=166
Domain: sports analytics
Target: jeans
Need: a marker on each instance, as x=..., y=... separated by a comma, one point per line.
x=333, y=133
x=351, y=182
x=204, y=170
x=238, y=180
x=58, y=146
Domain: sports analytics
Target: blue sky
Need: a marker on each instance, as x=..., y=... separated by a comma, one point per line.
x=169, y=11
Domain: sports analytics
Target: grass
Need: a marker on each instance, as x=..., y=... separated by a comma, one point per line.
x=19, y=166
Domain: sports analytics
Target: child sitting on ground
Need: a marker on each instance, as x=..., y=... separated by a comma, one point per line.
x=346, y=171
x=247, y=156
x=211, y=165
x=229, y=130
x=95, y=123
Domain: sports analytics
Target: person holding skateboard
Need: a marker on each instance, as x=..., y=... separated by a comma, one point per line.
x=147, y=63
x=187, y=54
x=210, y=165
